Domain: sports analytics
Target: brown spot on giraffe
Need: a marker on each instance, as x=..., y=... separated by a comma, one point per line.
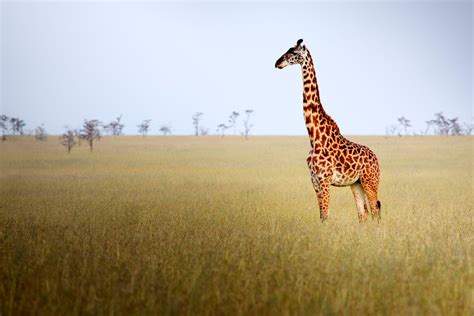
x=323, y=139
x=333, y=159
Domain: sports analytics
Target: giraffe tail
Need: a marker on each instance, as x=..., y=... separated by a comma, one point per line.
x=379, y=205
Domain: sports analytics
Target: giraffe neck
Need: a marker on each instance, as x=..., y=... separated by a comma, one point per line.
x=314, y=114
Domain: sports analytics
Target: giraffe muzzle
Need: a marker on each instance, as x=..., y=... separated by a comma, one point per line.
x=281, y=63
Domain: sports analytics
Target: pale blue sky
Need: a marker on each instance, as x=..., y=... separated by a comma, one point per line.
x=65, y=61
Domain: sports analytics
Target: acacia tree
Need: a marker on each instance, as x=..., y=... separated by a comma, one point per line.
x=17, y=125
x=40, y=133
x=446, y=126
x=454, y=127
x=221, y=128
x=428, y=126
x=196, y=120
x=442, y=126
x=106, y=128
x=13, y=125
x=90, y=132
x=468, y=128
x=144, y=127
x=392, y=130
x=4, y=126
x=233, y=119
x=77, y=134
x=165, y=130
x=247, y=125
x=115, y=127
x=404, y=123
x=68, y=139
x=204, y=130
x=441, y=123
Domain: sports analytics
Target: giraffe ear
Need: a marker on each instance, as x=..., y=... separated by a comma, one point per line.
x=298, y=43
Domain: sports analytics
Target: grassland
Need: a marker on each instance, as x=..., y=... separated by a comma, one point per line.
x=186, y=225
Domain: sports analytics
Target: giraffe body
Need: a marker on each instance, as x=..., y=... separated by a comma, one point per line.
x=333, y=160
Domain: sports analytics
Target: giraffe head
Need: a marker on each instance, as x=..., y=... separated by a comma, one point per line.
x=295, y=55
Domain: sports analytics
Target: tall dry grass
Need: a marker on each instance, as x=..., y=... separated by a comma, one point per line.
x=186, y=225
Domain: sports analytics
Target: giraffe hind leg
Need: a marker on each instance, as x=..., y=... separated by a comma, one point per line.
x=370, y=188
x=375, y=214
x=360, y=199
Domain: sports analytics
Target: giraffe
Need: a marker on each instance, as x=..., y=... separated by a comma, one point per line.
x=333, y=159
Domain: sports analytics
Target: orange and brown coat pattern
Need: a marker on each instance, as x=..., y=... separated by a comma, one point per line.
x=333, y=160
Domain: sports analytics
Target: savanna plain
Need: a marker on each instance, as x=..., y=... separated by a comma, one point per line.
x=205, y=225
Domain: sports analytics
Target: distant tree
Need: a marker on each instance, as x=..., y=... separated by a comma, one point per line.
x=428, y=126
x=221, y=128
x=68, y=139
x=144, y=127
x=455, y=128
x=4, y=126
x=233, y=119
x=17, y=125
x=203, y=130
x=20, y=124
x=13, y=125
x=404, y=123
x=441, y=123
x=247, y=125
x=392, y=130
x=165, y=130
x=468, y=128
x=196, y=119
x=115, y=127
x=40, y=133
x=107, y=129
x=77, y=134
x=448, y=126
x=90, y=132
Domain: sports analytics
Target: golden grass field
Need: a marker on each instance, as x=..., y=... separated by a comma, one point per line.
x=204, y=225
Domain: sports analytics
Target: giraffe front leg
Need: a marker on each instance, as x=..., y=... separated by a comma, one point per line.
x=321, y=187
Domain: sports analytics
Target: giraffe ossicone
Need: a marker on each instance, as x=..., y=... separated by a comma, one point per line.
x=333, y=159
